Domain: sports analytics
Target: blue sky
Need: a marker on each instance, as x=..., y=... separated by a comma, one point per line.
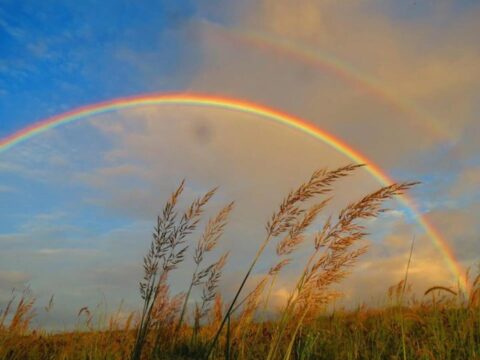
x=56, y=56
x=78, y=201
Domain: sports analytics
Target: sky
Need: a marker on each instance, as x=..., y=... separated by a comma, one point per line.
x=398, y=81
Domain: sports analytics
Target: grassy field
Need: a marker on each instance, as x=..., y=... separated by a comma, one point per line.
x=445, y=330
x=445, y=324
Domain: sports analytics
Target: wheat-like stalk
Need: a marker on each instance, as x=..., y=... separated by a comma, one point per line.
x=284, y=218
x=213, y=231
x=319, y=184
x=209, y=291
x=24, y=312
x=272, y=272
x=167, y=251
x=207, y=242
x=332, y=265
x=296, y=232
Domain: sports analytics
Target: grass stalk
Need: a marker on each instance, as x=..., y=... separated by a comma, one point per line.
x=237, y=294
x=402, y=322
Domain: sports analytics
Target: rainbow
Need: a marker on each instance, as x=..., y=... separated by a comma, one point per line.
x=200, y=100
x=333, y=65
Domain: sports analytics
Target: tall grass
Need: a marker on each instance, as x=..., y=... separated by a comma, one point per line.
x=206, y=243
x=444, y=324
x=441, y=325
x=167, y=251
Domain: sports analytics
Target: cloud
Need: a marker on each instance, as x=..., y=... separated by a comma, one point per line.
x=167, y=144
x=13, y=31
x=10, y=279
x=5, y=189
x=460, y=226
x=432, y=72
x=467, y=183
x=66, y=252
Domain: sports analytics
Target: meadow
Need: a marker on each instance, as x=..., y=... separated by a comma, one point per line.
x=443, y=324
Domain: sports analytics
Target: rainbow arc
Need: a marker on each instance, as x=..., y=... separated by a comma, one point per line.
x=201, y=100
x=326, y=62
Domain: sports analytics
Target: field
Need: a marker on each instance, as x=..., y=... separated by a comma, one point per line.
x=443, y=330
x=443, y=324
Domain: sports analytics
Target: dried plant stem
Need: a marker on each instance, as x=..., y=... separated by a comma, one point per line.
x=237, y=294
x=265, y=304
x=209, y=239
x=164, y=256
x=402, y=323
x=295, y=332
x=185, y=303
x=287, y=310
x=286, y=218
x=250, y=294
x=336, y=240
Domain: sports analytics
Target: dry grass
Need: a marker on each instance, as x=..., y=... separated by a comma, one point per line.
x=447, y=327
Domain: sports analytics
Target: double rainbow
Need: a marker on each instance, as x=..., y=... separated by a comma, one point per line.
x=200, y=100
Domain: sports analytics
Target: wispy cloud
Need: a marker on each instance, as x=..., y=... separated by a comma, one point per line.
x=5, y=189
